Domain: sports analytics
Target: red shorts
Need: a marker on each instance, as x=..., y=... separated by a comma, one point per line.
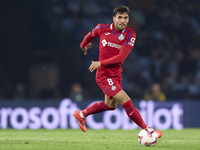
x=110, y=85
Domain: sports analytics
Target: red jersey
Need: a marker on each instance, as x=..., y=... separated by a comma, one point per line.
x=114, y=47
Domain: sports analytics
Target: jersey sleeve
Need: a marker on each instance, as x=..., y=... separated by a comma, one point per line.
x=123, y=53
x=131, y=39
x=96, y=31
x=90, y=36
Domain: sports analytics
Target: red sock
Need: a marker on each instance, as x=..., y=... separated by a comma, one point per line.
x=134, y=114
x=96, y=108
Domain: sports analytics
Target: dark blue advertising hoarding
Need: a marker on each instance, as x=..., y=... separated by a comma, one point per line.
x=59, y=114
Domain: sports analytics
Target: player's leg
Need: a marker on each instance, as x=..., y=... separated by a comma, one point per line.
x=95, y=108
x=112, y=103
x=131, y=111
x=99, y=107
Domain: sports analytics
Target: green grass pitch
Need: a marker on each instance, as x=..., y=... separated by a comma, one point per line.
x=69, y=139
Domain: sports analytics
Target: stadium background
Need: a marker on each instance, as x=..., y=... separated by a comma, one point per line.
x=40, y=57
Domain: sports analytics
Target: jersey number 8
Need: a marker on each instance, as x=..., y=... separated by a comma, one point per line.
x=110, y=82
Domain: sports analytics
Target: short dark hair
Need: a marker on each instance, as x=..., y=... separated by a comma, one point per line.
x=121, y=10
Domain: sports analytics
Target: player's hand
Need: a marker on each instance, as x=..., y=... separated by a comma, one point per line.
x=88, y=46
x=94, y=65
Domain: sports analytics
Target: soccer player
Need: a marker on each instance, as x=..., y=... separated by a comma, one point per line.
x=116, y=42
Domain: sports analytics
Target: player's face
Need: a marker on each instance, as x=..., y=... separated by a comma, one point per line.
x=120, y=21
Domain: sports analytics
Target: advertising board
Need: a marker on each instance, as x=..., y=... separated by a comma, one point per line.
x=59, y=114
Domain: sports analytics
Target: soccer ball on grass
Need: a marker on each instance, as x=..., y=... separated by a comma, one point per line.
x=148, y=137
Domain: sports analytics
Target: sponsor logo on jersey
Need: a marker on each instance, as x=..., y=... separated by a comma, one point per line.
x=121, y=37
x=105, y=43
x=132, y=41
x=113, y=87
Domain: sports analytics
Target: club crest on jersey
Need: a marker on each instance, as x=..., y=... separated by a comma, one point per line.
x=121, y=37
x=113, y=87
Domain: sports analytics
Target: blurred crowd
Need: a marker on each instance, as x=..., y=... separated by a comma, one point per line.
x=166, y=52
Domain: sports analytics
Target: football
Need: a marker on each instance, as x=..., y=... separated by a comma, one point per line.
x=148, y=137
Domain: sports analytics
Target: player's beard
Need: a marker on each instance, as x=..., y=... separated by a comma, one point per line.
x=120, y=26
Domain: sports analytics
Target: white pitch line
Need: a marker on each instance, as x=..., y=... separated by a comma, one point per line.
x=180, y=140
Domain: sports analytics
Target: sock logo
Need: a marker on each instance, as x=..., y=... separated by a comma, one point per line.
x=131, y=113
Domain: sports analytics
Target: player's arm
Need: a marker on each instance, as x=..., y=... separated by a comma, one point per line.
x=123, y=53
x=86, y=43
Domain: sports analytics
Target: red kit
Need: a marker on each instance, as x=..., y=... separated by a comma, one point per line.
x=114, y=47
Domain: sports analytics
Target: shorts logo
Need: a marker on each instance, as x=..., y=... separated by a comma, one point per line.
x=113, y=87
x=121, y=37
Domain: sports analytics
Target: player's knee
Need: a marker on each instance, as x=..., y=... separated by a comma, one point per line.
x=106, y=107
